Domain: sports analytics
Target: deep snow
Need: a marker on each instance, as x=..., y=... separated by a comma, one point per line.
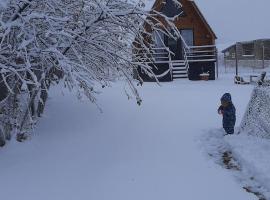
x=128, y=152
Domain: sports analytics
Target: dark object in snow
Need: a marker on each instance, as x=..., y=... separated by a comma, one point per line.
x=240, y=80
x=229, y=161
x=227, y=109
x=261, y=80
x=2, y=139
x=4, y=135
x=252, y=191
x=21, y=137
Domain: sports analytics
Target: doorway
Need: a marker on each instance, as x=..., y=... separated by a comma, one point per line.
x=175, y=46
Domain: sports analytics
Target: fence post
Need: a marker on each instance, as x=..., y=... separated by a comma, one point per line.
x=236, y=60
x=216, y=50
x=225, y=63
x=263, y=57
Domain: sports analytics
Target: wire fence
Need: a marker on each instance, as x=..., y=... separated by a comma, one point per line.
x=256, y=120
x=250, y=57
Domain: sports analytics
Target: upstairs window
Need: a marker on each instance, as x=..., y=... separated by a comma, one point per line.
x=170, y=9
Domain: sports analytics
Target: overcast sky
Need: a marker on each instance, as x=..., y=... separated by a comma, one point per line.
x=237, y=20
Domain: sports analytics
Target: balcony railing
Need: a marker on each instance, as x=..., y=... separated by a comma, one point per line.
x=206, y=53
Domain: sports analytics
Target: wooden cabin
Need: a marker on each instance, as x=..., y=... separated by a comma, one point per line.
x=189, y=59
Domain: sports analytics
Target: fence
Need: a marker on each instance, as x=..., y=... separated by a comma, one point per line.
x=256, y=120
x=247, y=57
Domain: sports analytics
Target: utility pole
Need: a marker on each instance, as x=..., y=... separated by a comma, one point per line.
x=236, y=60
x=263, y=52
x=216, y=50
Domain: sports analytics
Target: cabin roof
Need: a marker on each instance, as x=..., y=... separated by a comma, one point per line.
x=155, y=6
x=228, y=48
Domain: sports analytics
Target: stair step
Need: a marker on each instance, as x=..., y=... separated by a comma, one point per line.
x=178, y=64
x=180, y=76
x=179, y=68
x=179, y=73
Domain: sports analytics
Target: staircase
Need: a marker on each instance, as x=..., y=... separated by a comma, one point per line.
x=179, y=69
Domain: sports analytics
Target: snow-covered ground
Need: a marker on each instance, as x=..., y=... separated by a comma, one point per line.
x=249, y=160
x=128, y=152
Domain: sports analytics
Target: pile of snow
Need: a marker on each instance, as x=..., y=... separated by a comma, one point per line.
x=249, y=160
x=256, y=121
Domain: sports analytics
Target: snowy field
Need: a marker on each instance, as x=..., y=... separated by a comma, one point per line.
x=128, y=152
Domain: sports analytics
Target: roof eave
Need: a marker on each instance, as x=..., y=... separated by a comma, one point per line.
x=204, y=19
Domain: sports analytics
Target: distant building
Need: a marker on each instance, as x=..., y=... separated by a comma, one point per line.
x=255, y=53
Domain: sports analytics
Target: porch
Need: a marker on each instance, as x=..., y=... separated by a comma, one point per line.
x=194, y=61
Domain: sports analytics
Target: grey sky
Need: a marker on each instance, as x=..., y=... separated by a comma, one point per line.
x=237, y=20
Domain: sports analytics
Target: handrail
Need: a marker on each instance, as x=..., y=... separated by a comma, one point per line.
x=205, y=53
x=186, y=59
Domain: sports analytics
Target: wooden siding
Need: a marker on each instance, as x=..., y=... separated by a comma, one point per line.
x=192, y=19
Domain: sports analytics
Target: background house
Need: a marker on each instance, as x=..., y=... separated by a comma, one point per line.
x=255, y=53
x=189, y=57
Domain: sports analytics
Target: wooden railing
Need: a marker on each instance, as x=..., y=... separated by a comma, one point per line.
x=206, y=53
x=163, y=55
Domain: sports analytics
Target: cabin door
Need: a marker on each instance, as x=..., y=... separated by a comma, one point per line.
x=175, y=46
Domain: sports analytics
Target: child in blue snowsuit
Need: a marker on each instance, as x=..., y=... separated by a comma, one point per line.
x=227, y=109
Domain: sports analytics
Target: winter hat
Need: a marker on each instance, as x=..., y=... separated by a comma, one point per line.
x=226, y=97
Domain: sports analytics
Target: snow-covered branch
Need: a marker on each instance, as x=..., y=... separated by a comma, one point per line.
x=87, y=43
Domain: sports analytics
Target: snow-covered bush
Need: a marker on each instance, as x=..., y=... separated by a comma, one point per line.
x=87, y=43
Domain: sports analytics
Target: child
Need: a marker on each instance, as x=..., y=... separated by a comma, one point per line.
x=227, y=109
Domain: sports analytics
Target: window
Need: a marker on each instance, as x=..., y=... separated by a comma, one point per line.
x=170, y=9
x=248, y=49
x=158, y=38
x=188, y=36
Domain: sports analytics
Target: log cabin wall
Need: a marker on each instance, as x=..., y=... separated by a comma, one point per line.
x=192, y=20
